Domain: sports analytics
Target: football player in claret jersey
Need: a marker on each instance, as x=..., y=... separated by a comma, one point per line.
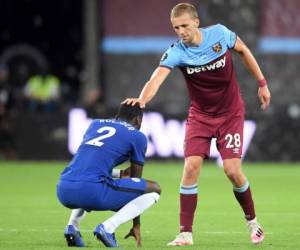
x=89, y=182
x=217, y=111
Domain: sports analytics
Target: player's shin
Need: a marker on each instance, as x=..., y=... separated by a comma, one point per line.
x=131, y=210
x=188, y=204
x=244, y=197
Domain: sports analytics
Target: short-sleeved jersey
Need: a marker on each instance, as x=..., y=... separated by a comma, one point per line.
x=106, y=144
x=208, y=71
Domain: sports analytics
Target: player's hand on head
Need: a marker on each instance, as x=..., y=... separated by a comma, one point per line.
x=264, y=97
x=136, y=234
x=133, y=101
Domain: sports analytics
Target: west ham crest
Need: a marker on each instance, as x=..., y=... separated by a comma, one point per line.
x=217, y=47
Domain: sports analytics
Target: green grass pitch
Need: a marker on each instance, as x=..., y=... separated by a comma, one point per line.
x=32, y=218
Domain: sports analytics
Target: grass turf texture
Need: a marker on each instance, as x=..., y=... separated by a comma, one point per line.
x=32, y=218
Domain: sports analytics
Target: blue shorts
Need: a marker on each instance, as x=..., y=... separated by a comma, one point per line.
x=107, y=194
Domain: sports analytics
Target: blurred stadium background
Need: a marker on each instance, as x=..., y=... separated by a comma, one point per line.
x=102, y=51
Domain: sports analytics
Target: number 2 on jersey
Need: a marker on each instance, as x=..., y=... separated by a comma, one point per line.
x=98, y=140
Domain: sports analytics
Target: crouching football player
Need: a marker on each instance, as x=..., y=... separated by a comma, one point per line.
x=88, y=183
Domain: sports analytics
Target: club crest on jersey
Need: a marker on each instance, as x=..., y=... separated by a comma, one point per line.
x=217, y=47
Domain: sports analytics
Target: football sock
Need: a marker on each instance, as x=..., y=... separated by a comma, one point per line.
x=77, y=215
x=131, y=210
x=244, y=197
x=188, y=204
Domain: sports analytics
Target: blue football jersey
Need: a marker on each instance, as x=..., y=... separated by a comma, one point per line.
x=106, y=144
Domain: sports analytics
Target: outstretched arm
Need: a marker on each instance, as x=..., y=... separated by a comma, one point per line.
x=252, y=65
x=151, y=87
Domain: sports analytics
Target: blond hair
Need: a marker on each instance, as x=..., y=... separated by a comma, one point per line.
x=183, y=8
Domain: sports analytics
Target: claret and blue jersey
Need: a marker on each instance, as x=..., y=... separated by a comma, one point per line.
x=208, y=70
x=106, y=144
x=215, y=42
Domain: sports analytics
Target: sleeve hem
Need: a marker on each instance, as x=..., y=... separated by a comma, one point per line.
x=235, y=38
x=137, y=162
x=165, y=66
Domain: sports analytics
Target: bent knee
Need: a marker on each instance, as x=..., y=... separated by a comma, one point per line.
x=153, y=187
x=155, y=196
x=235, y=175
x=190, y=173
x=231, y=174
x=157, y=188
x=192, y=168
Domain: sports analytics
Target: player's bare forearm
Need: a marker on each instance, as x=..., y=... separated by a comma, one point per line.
x=148, y=92
x=252, y=65
x=248, y=59
x=146, y=95
x=151, y=87
x=136, y=170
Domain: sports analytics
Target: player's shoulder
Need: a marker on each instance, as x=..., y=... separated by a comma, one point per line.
x=94, y=124
x=140, y=136
x=176, y=47
x=172, y=55
x=216, y=28
x=138, y=139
